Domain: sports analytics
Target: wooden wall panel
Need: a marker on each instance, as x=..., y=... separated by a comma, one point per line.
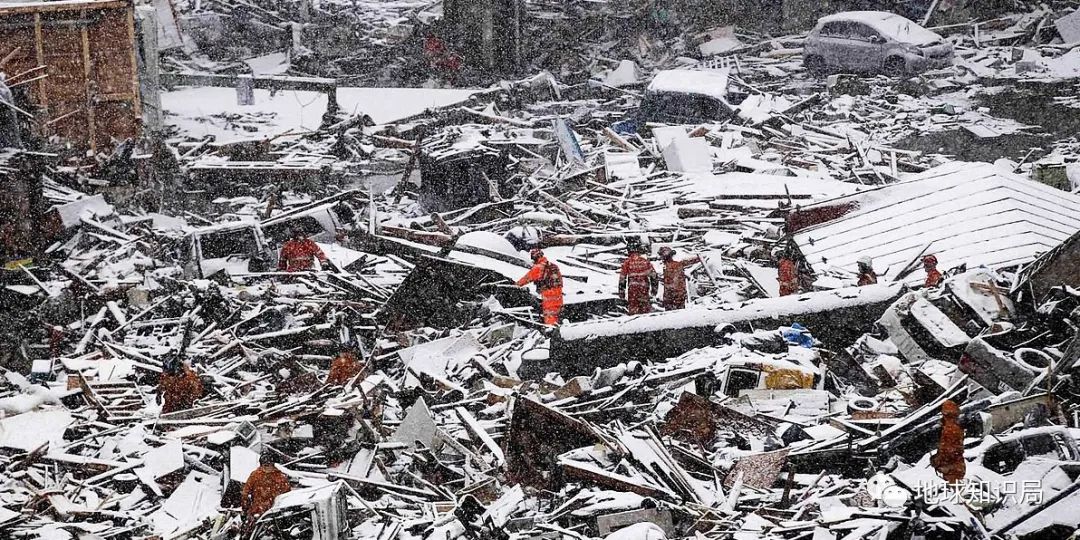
x=90, y=97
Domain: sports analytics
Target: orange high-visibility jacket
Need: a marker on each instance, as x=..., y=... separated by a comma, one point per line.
x=949, y=460
x=262, y=487
x=549, y=282
x=638, y=281
x=675, y=283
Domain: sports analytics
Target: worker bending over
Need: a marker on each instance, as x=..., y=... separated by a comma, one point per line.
x=548, y=279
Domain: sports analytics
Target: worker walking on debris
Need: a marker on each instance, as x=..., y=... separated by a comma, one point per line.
x=866, y=271
x=548, y=279
x=344, y=367
x=949, y=460
x=638, y=281
x=933, y=277
x=179, y=386
x=674, y=278
x=299, y=253
x=263, y=485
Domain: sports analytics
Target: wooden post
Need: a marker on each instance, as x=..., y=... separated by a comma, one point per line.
x=39, y=50
x=136, y=99
x=87, y=86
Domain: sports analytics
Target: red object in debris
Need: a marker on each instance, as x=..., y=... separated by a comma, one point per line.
x=638, y=281
x=298, y=255
x=803, y=218
x=788, y=277
x=343, y=369
x=434, y=46
x=440, y=56
x=179, y=391
x=548, y=280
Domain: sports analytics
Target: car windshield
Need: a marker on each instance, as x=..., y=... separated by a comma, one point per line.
x=669, y=106
x=222, y=244
x=278, y=233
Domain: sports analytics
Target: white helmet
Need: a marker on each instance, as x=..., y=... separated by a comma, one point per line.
x=866, y=261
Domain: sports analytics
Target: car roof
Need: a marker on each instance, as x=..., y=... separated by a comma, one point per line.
x=888, y=24
x=712, y=82
x=860, y=16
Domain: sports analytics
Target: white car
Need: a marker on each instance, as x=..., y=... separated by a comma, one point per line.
x=873, y=42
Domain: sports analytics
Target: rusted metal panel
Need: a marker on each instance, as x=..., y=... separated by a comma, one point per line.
x=696, y=419
x=536, y=437
x=89, y=97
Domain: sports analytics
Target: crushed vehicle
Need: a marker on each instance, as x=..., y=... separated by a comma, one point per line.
x=252, y=246
x=874, y=42
x=682, y=96
x=236, y=248
x=1005, y=453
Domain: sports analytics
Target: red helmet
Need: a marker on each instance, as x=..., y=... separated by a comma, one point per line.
x=929, y=260
x=536, y=253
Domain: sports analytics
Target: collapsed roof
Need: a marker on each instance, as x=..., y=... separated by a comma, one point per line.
x=964, y=213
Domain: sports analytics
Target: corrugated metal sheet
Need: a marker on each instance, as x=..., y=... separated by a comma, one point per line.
x=971, y=213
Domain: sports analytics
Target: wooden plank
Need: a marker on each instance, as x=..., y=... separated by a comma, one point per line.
x=90, y=112
x=474, y=426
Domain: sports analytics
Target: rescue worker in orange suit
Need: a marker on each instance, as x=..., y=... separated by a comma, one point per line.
x=638, y=282
x=263, y=485
x=866, y=272
x=787, y=275
x=548, y=279
x=344, y=367
x=299, y=253
x=674, y=278
x=949, y=459
x=179, y=386
x=933, y=277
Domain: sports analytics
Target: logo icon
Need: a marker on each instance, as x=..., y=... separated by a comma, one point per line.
x=883, y=488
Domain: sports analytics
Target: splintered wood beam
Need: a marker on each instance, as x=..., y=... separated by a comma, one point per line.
x=7, y=58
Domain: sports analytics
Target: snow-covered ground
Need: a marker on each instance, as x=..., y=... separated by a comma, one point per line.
x=214, y=111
